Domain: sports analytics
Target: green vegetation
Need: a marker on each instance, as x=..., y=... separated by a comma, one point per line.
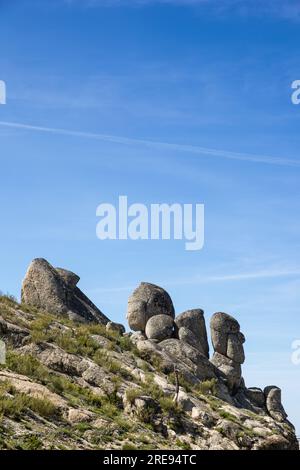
x=14, y=404
x=228, y=416
x=206, y=387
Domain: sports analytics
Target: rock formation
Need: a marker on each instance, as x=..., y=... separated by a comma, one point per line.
x=273, y=403
x=182, y=342
x=55, y=291
x=228, y=342
x=145, y=302
x=159, y=380
x=192, y=329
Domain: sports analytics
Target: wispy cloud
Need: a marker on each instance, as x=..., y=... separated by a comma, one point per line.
x=289, y=9
x=194, y=149
x=242, y=276
x=195, y=280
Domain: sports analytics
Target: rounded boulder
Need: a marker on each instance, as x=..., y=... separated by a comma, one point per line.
x=160, y=327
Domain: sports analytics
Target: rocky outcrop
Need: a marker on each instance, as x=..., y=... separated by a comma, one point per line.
x=114, y=389
x=228, y=342
x=55, y=291
x=273, y=403
x=182, y=343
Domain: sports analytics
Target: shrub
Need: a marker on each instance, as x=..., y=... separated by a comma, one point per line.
x=8, y=300
x=31, y=442
x=25, y=364
x=132, y=394
x=129, y=446
x=169, y=406
x=207, y=387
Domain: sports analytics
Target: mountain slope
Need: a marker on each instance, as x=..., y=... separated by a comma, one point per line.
x=68, y=385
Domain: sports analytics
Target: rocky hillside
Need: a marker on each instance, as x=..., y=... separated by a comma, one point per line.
x=74, y=380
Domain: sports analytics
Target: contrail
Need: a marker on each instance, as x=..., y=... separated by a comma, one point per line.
x=196, y=280
x=158, y=145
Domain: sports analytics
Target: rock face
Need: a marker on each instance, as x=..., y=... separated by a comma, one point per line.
x=229, y=353
x=193, y=320
x=192, y=357
x=273, y=403
x=147, y=301
x=55, y=291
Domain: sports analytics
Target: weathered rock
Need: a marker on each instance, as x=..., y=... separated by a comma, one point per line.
x=256, y=396
x=55, y=291
x=76, y=416
x=186, y=335
x=13, y=333
x=147, y=301
x=230, y=369
x=103, y=342
x=181, y=351
x=71, y=279
x=115, y=328
x=137, y=336
x=195, y=322
x=276, y=442
x=160, y=327
x=229, y=351
x=222, y=325
x=207, y=419
x=234, y=349
x=27, y=386
x=144, y=407
x=273, y=403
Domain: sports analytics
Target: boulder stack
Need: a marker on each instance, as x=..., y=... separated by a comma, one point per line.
x=147, y=301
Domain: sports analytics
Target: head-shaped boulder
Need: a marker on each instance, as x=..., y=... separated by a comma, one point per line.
x=227, y=338
x=145, y=302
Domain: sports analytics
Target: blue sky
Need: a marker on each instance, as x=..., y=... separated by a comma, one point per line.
x=215, y=76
